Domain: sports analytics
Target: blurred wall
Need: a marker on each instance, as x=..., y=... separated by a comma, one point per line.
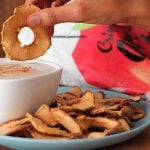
x=6, y=9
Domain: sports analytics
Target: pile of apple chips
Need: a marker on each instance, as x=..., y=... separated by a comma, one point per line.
x=77, y=114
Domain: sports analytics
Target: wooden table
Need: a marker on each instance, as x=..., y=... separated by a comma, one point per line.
x=141, y=142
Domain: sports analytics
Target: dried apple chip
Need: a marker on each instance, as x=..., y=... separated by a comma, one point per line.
x=43, y=128
x=84, y=125
x=102, y=122
x=16, y=25
x=23, y=133
x=38, y=135
x=98, y=95
x=124, y=111
x=122, y=100
x=97, y=134
x=138, y=113
x=102, y=108
x=64, y=98
x=127, y=111
x=73, y=93
x=75, y=90
x=66, y=121
x=123, y=126
x=72, y=101
x=86, y=103
x=44, y=113
x=14, y=126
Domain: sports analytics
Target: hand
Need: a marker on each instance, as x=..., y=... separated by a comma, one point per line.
x=133, y=12
x=46, y=3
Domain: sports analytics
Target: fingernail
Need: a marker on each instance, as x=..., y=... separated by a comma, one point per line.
x=33, y=21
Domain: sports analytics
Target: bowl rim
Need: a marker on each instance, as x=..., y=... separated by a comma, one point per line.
x=57, y=68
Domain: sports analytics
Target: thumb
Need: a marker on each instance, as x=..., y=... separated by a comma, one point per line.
x=51, y=16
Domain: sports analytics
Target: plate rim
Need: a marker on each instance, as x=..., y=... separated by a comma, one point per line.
x=74, y=140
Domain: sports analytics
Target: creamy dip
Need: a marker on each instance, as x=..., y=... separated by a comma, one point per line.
x=24, y=70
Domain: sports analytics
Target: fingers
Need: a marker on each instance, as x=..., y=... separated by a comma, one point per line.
x=95, y=12
x=51, y=31
x=40, y=3
x=46, y=4
x=57, y=3
x=52, y=16
x=27, y=2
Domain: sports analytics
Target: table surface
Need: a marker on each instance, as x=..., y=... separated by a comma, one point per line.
x=140, y=142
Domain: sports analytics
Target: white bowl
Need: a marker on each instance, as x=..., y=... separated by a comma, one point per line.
x=21, y=95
